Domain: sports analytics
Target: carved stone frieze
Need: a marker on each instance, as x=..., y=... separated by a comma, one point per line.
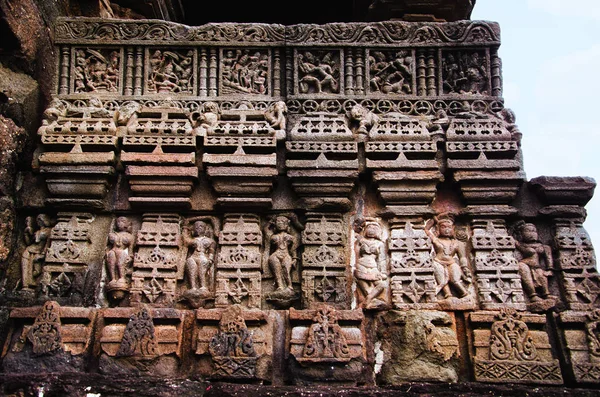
x=512, y=347
x=390, y=32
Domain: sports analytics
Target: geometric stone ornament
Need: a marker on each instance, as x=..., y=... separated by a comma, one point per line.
x=325, y=278
x=577, y=263
x=497, y=269
x=238, y=278
x=158, y=261
x=67, y=257
x=510, y=347
x=412, y=276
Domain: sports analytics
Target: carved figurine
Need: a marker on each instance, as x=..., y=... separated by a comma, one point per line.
x=119, y=256
x=371, y=265
x=326, y=341
x=450, y=262
x=534, y=257
x=244, y=71
x=200, y=261
x=35, y=253
x=317, y=74
x=365, y=119
x=207, y=119
x=282, y=246
x=275, y=116
x=391, y=76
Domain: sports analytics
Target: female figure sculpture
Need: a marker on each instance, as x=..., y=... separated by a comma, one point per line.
x=371, y=266
x=282, y=247
x=119, y=256
x=533, y=258
x=34, y=254
x=450, y=262
x=200, y=261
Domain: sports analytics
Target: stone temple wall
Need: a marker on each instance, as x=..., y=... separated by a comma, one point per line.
x=339, y=204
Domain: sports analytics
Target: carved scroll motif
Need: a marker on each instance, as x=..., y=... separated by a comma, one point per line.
x=510, y=338
x=139, y=338
x=232, y=348
x=326, y=341
x=45, y=334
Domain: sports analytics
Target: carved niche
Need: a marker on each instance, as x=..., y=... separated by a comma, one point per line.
x=466, y=72
x=391, y=72
x=281, y=259
x=96, y=70
x=318, y=72
x=245, y=70
x=170, y=71
x=509, y=346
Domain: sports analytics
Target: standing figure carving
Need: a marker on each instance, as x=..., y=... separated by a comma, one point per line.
x=282, y=248
x=198, y=266
x=119, y=256
x=371, y=265
x=450, y=261
x=36, y=237
x=534, y=258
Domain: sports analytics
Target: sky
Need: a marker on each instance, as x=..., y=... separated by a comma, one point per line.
x=550, y=61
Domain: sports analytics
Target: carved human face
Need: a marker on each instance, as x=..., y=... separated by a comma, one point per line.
x=200, y=228
x=42, y=221
x=372, y=230
x=282, y=223
x=122, y=223
x=446, y=229
x=529, y=233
